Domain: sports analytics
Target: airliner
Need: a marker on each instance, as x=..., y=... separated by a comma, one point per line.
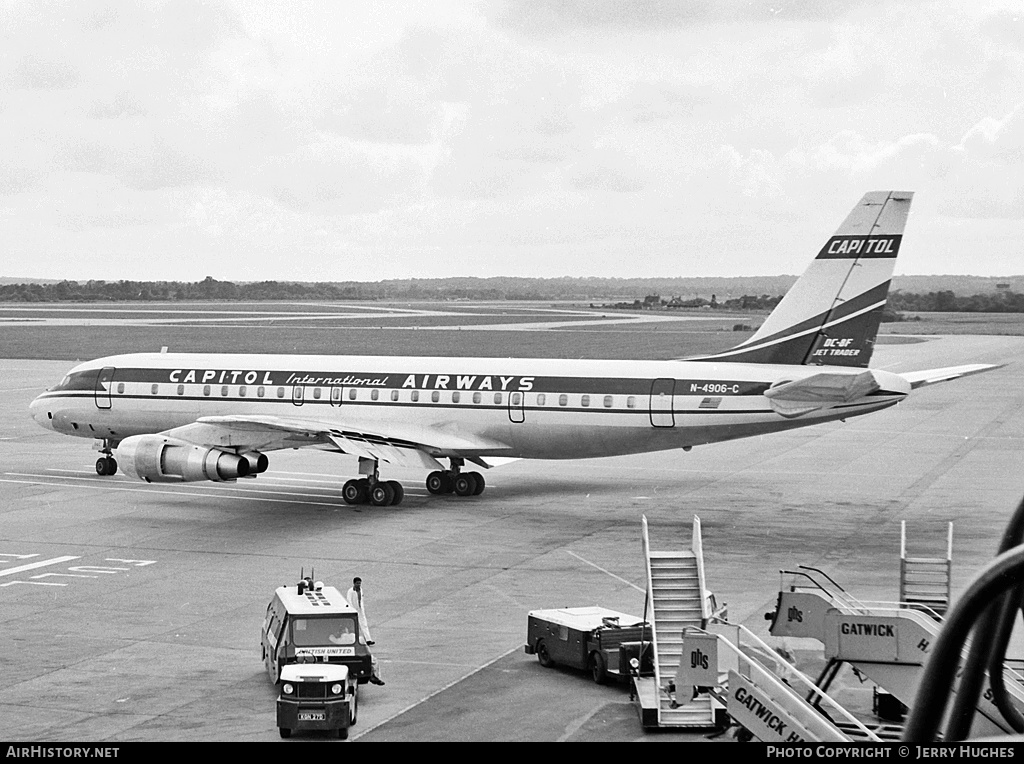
x=178, y=417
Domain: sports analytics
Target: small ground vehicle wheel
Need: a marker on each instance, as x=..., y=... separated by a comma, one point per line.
x=285, y=732
x=343, y=733
x=598, y=669
x=543, y=655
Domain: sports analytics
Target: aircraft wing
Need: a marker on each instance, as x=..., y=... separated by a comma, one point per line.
x=409, y=445
x=820, y=391
x=932, y=376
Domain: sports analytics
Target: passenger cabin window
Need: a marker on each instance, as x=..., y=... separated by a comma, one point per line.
x=516, y=399
x=206, y=390
x=541, y=399
x=497, y=398
x=477, y=397
x=316, y=393
x=631, y=402
x=352, y=394
x=585, y=400
x=608, y=401
x=394, y=395
x=456, y=397
x=259, y=391
x=155, y=389
x=374, y=394
x=415, y=396
x=280, y=392
x=181, y=389
x=563, y=400
x=224, y=391
x=120, y=388
x=241, y=390
x=435, y=396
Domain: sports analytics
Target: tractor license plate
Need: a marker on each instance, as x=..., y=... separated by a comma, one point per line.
x=312, y=716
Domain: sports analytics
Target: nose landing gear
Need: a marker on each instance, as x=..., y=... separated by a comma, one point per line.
x=106, y=464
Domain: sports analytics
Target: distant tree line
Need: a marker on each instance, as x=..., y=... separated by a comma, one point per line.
x=946, y=301
x=462, y=288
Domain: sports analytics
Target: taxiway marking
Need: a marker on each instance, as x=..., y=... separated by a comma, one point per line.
x=608, y=572
x=109, y=487
x=34, y=565
x=436, y=692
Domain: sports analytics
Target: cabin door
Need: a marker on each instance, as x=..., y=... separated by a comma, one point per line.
x=662, y=394
x=104, y=386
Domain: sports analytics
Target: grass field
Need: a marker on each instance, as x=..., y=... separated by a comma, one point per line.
x=92, y=331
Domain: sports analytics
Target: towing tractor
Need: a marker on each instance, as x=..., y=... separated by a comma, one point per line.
x=604, y=642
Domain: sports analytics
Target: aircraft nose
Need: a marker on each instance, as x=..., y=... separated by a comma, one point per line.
x=37, y=409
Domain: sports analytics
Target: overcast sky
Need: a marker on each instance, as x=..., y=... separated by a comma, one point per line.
x=373, y=140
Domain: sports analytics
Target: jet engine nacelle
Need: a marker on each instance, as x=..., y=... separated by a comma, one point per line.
x=258, y=462
x=159, y=459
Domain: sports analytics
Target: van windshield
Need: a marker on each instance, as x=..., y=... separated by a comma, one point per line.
x=324, y=630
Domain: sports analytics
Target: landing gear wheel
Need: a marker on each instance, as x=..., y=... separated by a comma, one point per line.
x=106, y=465
x=479, y=483
x=438, y=483
x=543, y=656
x=399, y=492
x=355, y=492
x=598, y=669
x=465, y=484
x=285, y=732
x=382, y=495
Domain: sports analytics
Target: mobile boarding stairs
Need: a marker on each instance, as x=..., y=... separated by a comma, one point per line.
x=707, y=670
x=887, y=642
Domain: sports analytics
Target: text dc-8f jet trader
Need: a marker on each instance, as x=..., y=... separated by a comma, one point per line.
x=174, y=417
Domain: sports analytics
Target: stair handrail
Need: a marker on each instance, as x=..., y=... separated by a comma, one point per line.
x=849, y=598
x=654, y=617
x=847, y=601
x=697, y=546
x=776, y=682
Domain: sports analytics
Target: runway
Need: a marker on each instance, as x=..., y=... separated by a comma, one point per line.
x=132, y=611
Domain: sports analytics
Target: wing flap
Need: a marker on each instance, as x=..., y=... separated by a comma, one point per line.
x=396, y=444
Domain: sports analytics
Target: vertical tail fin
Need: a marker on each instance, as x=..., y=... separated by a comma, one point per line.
x=831, y=314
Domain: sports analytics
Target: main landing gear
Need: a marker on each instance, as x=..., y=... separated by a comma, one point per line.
x=454, y=481
x=106, y=464
x=371, y=489
x=389, y=493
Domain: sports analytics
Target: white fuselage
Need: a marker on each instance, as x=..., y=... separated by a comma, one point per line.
x=528, y=408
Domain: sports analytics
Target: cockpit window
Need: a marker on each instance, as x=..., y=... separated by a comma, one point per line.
x=78, y=380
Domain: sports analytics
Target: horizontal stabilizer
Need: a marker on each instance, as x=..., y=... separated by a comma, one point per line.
x=932, y=376
x=820, y=391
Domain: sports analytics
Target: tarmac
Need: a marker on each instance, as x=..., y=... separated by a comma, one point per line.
x=132, y=612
